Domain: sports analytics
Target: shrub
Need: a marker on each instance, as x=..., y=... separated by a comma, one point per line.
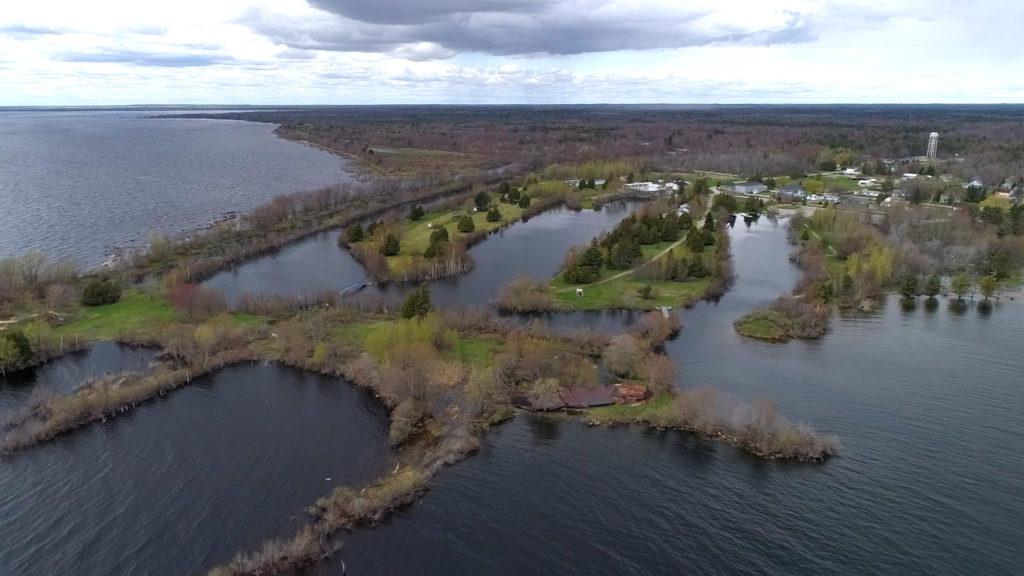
x=194, y=300
x=97, y=292
x=494, y=215
x=625, y=355
x=524, y=202
x=416, y=213
x=15, y=351
x=647, y=292
x=525, y=295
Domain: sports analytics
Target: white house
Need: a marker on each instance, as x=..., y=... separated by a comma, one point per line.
x=653, y=188
x=749, y=187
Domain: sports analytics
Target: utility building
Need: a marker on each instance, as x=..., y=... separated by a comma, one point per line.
x=933, y=145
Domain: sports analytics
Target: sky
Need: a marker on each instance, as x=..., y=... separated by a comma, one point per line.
x=112, y=52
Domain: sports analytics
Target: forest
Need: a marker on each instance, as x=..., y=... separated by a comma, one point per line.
x=982, y=141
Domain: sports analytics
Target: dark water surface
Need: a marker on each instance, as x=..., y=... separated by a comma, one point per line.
x=79, y=184
x=67, y=373
x=929, y=405
x=533, y=248
x=183, y=482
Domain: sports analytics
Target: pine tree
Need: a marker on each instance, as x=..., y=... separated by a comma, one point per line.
x=354, y=233
x=417, y=304
x=391, y=245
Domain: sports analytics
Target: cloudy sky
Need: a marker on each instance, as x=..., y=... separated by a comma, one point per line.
x=71, y=52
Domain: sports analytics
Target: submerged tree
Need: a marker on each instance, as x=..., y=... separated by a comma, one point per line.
x=933, y=286
x=989, y=286
x=961, y=284
x=908, y=286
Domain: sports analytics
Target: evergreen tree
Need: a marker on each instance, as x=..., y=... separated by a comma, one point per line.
x=354, y=233
x=696, y=269
x=439, y=234
x=466, y=225
x=592, y=257
x=933, y=286
x=417, y=304
x=908, y=286
x=514, y=195
x=709, y=221
x=695, y=240
x=416, y=213
x=391, y=245
x=493, y=215
x=524, y=202
x=482, y=200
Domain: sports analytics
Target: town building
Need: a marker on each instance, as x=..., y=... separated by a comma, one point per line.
x=749, y=187
x=791, y=192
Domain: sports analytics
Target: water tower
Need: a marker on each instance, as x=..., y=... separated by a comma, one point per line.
x=933, y=145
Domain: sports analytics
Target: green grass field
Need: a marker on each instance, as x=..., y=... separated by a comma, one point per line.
x=624, y=293
x=415, y=235
x=136, y=309
x=471, y=350
x=763, y=325
x=658, y=410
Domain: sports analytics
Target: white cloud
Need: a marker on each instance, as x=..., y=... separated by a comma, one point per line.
x=499, y=51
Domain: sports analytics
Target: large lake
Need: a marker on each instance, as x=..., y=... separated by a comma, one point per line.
x=928, y=402
x=79, y=185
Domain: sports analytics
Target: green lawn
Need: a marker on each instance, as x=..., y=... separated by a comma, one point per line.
x=475, y=351
x=415, y=235
x=136, y=309
x=764, y=325
x=472, y=350
x=625, y=293
x=658, y=410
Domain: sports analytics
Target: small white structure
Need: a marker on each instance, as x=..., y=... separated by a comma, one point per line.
x=851, y=172
x=749, y=187
x=579, y=291
x=867, y=182
x=909, y=175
